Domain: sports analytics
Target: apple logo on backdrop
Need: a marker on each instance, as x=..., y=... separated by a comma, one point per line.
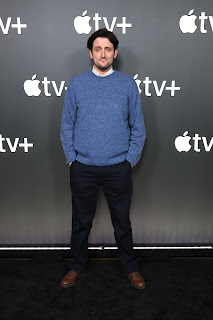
x=31, y=87
x=182, y=143
x=187, y=23
x=81, y=24
x=138, y=82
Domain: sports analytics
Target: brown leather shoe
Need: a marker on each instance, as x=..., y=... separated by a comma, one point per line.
x=69, y=279
x=137, y=280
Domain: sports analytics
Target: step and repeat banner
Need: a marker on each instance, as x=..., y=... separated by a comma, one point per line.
x=166, y=46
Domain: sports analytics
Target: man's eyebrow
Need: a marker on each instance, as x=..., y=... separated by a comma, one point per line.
x=100, y=47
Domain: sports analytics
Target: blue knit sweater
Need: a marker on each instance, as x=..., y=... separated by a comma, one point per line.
x=102, y=121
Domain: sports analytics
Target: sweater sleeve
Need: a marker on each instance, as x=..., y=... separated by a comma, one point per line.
x=136, y=124
x=68, y=123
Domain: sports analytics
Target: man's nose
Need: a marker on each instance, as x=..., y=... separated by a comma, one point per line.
x=103, y=53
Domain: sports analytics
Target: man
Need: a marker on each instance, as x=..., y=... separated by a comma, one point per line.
x=102, y=133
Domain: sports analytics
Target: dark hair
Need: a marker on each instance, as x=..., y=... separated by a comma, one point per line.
x=103, y=33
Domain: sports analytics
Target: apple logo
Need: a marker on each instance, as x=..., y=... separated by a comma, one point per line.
x=182, y=143
x=31, y=87
x=187, y=22
x=81, y=24
x=138, y=82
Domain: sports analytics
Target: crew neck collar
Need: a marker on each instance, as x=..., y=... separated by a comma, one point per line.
x=110, y=71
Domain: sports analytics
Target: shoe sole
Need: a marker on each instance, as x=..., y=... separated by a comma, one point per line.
x=68, y=285
x=138, y=287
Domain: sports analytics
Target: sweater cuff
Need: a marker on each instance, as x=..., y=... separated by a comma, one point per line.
x=71, y=157
x=131, y=160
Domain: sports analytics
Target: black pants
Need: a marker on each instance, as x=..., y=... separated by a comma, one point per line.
x=85, y=181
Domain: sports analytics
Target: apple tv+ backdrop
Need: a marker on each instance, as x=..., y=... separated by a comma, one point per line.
x=166, y=47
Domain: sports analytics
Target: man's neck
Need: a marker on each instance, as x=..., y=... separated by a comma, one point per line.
x=101, y=73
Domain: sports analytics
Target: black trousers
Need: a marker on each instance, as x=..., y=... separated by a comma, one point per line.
x=85, y=182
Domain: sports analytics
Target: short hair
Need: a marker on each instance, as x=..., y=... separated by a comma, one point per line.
x=103, y=33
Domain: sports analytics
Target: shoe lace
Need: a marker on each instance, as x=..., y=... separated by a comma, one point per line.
x=136, y=275
x=71, y=274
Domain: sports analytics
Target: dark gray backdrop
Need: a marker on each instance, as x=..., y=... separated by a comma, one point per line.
x=172, y=199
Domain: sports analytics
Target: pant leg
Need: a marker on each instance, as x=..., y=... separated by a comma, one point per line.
x=117, y=186
x=84, y=187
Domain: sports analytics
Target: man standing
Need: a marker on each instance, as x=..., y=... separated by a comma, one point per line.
x=102, y=133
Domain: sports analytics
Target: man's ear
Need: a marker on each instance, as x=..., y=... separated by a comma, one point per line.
x=90, y=53
x=116, y=53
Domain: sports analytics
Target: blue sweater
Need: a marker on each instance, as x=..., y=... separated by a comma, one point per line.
x=102, y=121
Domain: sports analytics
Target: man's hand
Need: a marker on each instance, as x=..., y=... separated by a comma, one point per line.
x=132, y=165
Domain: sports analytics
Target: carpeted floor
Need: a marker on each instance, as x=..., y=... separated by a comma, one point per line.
x=176, y=290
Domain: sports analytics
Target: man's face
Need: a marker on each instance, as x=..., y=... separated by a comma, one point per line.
x=103, y=54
